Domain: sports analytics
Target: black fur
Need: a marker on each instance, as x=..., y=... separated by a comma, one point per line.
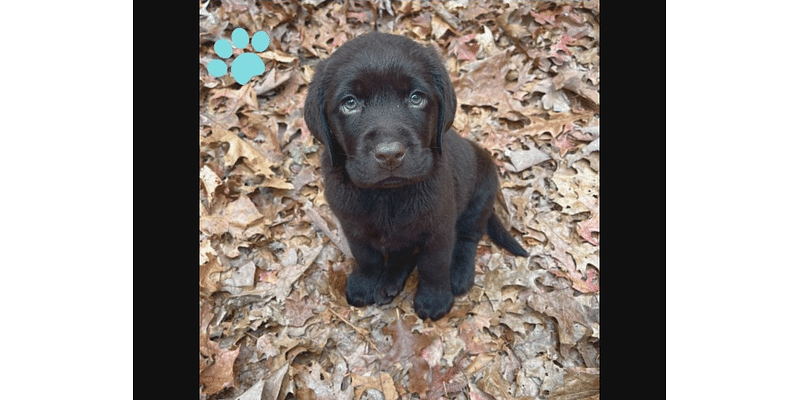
x=406, y=188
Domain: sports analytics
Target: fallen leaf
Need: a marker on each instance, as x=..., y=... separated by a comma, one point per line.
x=559, y=304
x=453, y=380
x=585, y=229
x=210, y=181
x=524, y=159
x=299, y=310
x=387, y=387
x=254, y=393
x=210, y=275
x=244, y=96
x=406, y=346
x=404, y=341
x=274, y=383
x=574, y=184
x=326, y=385
x=575, y=81
x=241, y=278
x=242, y=213
x=254, y=160
x=220, y=374
x=554, y=99
x=463, y=51
x=578, y=386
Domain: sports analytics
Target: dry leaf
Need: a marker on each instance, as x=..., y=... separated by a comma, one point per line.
x=210, y=180
x=387, y=387
x=254, y=160
x=210, y=275
x=573, y=185
x=254, y=393
x=559, y=305
x=524, y=159
x=219, y=375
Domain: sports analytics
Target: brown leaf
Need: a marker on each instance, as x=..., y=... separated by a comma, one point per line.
x=210, y=180
x=575, y=81
x=387, y=387
x=578, y=386
x=453, y=380
x=244, y=96
x=407, y=347
x=208, y=348
x=242, y=213
x=271, y=82
x=561, y=305
x=299, y=310
x=575, y=184
x=326, y=385
x=219, y=375
x=241, y=277
x=210, y=274
x=585, y=229
x=254, y=393
x=239, y=148
x=483, y=84
x=464, y=51
x=470, y=330
x=275, y=382
x=418, y=376
x=524, y=159
x=492, y=383
x=289, y=274
x=403, y=343
x=214, y=225
x=554, y=99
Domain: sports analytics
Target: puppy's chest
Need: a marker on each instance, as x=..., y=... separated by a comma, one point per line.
x=387, y=217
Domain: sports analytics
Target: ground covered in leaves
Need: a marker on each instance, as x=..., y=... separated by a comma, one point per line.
x=274, y=323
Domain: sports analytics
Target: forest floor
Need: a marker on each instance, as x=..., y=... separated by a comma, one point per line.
x=274, y=323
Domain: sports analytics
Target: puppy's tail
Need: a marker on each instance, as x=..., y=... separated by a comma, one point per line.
x=500, y=235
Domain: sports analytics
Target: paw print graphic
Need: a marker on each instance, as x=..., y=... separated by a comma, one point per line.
x=246, y=65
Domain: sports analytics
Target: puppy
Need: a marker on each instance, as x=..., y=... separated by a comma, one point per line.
x=407, y=190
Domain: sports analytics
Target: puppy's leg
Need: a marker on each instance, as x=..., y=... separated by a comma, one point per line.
x=462, y=268
x=434, y=296
x=398, y=266
x=470, y=228
x=366, y=276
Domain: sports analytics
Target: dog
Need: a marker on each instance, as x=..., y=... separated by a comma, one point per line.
x=407, y=190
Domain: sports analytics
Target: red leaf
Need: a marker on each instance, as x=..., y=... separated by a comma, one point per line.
x=463, y=51
x=585, y=228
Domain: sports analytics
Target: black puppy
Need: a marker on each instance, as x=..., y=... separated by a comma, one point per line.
x=407, y=189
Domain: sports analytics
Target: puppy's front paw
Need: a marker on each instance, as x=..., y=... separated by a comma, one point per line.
x=360, y=290
x=432, y=303
x=387, y=292
x=461, y=283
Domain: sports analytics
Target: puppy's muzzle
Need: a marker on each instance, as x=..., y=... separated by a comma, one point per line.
x=390, y=155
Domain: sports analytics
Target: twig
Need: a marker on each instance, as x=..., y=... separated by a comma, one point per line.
x=358, y=330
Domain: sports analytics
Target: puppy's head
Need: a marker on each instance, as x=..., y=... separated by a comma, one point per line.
x=381, y=104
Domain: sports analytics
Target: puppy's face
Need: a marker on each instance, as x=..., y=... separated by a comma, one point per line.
x=380, y=104
x=385, y=120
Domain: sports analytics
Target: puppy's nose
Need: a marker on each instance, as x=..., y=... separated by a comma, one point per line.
x=390, y=154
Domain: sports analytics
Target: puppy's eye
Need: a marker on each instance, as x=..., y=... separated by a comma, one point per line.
x=349, y=105
x=417, y=100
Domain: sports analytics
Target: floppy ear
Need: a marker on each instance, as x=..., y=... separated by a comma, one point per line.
x=316, y=119
x=447, y=103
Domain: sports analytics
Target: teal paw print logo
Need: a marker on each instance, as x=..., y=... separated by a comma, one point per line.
x=246, y=65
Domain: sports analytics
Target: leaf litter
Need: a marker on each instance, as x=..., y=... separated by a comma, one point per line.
x=274, y=323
